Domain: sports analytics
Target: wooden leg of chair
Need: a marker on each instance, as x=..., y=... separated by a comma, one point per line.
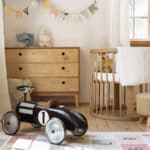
x=76, y=96
x=141, y=119
x=148, y=122
x=130, y=100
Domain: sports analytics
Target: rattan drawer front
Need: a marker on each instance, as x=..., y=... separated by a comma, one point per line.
x=55, y=84
x=43, y=70
x=42, y=55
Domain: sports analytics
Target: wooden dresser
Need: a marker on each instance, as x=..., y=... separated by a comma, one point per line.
x=52, y=71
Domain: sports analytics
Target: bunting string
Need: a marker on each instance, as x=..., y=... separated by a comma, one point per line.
x=53, y=10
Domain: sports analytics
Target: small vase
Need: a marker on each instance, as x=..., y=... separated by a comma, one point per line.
x=44, y=38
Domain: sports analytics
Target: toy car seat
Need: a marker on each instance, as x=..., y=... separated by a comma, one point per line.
x=25, y=89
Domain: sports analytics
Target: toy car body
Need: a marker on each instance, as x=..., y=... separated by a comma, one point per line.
x=56, y=120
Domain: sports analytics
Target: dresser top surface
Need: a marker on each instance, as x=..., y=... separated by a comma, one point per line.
x=36, y=48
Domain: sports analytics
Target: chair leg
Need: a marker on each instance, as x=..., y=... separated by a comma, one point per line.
x=148, y=122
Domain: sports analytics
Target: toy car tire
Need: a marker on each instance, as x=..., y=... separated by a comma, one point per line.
x=82, y=131
x=55, y=131
x=81, y=116
x=10, y=123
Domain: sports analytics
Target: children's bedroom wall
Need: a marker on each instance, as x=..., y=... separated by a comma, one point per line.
x=95, y=31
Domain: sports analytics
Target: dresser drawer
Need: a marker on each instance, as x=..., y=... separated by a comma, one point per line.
x=42, y=55
x=43, y=70
x=55, y=84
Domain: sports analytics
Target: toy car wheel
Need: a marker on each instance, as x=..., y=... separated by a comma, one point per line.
x=55, y=131
x=10, y=123
x=81, y=131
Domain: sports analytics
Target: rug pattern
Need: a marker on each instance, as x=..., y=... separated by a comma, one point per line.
x=91, y=141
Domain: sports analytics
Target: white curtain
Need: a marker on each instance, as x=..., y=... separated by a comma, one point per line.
x=4, y=96
x=116, y=23
x=108, y=29
x=136, y=60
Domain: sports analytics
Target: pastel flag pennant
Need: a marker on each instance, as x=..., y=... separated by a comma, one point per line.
x=10, y=10
x=39, y=1
x=26, y=11
x=18, y=14
x=47, y=4
x=85, y=13
x=64, y=15
x=93, y=8
x=54, y=11
x=60, y=16
x=34, y=4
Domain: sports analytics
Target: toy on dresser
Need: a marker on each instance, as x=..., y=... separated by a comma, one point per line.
x=56, y=119
x=25, y=39
x=44, y=38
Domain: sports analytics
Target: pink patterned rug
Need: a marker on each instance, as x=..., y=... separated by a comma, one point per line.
x=91, y=141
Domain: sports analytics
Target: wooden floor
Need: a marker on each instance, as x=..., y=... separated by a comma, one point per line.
x=96, y=124
x=101, y=125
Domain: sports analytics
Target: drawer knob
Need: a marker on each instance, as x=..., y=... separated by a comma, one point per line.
x=63, y=68
x=63, y=53
x=20, y=68
x=20, y=54
x=63, y=82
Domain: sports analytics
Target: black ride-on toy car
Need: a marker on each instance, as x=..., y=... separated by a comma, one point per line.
x=56, y=120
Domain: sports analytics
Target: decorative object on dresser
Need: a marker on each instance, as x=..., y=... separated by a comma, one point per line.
x=52, y=71
x=26, y=39
x=44, y=37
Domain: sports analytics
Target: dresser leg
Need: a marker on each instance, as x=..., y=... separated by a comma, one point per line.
x=76, y=97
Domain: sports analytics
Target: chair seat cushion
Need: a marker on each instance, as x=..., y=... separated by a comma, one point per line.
x=143, y=104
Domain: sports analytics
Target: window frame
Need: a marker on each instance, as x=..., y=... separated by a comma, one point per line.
x=138, y=41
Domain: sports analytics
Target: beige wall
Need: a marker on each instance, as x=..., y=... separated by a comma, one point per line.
x=84, y=34
x=103, y=29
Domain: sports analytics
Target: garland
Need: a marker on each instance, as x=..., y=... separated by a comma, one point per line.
x=54, y=11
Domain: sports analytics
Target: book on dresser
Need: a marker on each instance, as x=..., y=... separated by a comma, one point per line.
x=52, y=71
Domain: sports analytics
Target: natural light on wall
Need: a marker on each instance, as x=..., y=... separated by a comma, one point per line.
x=139, y=15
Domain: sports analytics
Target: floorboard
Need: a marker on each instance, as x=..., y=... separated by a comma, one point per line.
x=96, y=124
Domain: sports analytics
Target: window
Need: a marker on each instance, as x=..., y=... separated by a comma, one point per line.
x=139, y=19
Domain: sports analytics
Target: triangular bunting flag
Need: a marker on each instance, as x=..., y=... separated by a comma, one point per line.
x=10, y=10
x=54, y=11
x=47, y=4
x=85, y=13
x=34, y=4
x=39, y=0
x=93, y=8
x=18, y=14
x=26, y=11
